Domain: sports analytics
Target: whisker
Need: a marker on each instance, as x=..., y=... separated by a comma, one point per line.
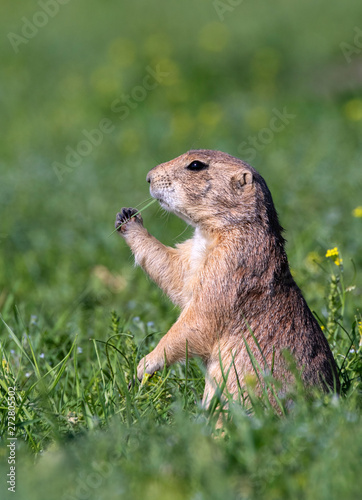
x=182, y=232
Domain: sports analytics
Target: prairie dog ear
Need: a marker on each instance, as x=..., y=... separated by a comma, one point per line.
x=242, y=179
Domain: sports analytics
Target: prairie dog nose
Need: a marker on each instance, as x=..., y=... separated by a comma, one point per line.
x=148, y=178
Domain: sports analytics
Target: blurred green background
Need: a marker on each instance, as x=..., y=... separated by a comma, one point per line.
x=224, y=70
x=146, y=81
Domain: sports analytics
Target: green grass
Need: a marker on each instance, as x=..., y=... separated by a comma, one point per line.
x=76, y=316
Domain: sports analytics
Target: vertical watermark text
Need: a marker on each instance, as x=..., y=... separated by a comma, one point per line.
x=11, y=475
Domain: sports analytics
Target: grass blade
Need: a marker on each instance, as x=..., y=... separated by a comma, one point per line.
x=134, y=215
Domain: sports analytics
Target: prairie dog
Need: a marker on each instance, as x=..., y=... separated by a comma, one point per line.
x=232, y=277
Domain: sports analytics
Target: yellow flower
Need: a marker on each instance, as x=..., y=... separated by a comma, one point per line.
x=333, y=252
x=357, y=212
x=312, y=260
x=122, y=52
x=106, y=80
x=214, y=37
x=172, y=68
x=353, y=110
x=210, y=114
x=158, y=45
x=182, y=123
x=334, y=255
x=250, y=380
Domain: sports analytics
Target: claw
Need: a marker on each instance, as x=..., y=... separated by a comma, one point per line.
x=125, y=216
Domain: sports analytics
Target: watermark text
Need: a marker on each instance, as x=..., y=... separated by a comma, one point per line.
x=11, y=475
x=30, y=27
x=249, y=149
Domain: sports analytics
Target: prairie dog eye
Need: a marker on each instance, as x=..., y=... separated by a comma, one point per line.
x=197, y=165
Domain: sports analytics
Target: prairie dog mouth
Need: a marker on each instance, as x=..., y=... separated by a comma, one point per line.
x=160, y=197
x=168, y=205
x=164, y=204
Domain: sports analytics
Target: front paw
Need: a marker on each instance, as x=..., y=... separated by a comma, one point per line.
x=149, y=364
x=127, y=218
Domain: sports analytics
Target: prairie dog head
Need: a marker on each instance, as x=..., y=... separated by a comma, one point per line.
x=210, y=189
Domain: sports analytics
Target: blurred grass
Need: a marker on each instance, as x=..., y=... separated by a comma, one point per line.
x=66, y=78
x=60, y=273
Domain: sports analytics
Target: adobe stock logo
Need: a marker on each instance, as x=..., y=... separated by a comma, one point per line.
x=75, y=155
x=248, y=149
x=31, y=27
x=121, y=107
x=349, y=50
x=222, y=8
